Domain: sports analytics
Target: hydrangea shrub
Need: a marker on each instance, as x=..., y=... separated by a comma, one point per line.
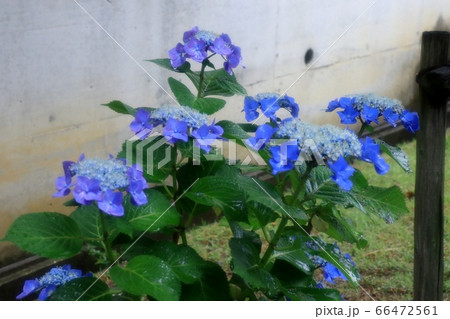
x=132, y=211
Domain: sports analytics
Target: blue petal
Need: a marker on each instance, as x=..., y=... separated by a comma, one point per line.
x=410, y=121
x=348, y=116
x=29, y=287
x=46, y=292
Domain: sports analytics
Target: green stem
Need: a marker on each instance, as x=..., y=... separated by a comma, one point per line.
x=183, y=237
x=174, y=170
x=186, y=225
x=301, y=185
x=106, y=242
x=363, y=126
x=167, y=189
x=284, y=220
x=273, y=242
x=200, y=83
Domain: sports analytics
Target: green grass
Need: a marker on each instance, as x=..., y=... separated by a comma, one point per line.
x=386, y=264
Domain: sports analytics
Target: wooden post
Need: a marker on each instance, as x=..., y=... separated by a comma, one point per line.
x=429, y=199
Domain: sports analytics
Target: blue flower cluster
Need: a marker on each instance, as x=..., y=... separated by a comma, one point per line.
x=196, y=45
x=48, y=283
x=177, y=122
x=102, y=181
x=330, y=143
x=269, y=103
x=369, y=107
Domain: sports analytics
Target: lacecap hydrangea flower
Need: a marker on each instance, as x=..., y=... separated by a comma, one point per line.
x=102, y=181
x=178, y=123
x=369, y=107
x=196, y=45
x=331, y=143
x=48, y=283
x=268, y=104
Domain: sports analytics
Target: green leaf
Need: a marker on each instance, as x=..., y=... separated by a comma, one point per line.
x=260, y=215
x=219, y=82
x=232, y=130
x=312, y=294
x=118, y=225
x=246, y=260
x=208, y=105
x=263, y=193
x=211, y=286
x=396, y=154
x=248, y=127
x=338, y=227
x=334, y=256
x=320, y=185
x=50, y=235
x=165, y=63
x=290, y=250
x=89, y=222
x=288, y=275
x=86, y=289
x=214, y=191
x=267, y=195
x=120, y=107
x=182, y=259
x=387, y=203
x=148, y=275
x=153, y=216
x=181, y=92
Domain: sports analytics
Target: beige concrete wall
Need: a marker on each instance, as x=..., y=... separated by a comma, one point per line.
x=58, y=66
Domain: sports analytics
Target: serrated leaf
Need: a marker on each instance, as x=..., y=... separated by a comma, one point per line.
x=246, y=260
x=211, y=286
x=263, y=193
x=89, y=222
x=290, y=250
x=232, y=130
x=387, y=203
x=219, y=82
x=82, y=289
x=396, y=154
x=338, y=227
x=181, y=92
x=153, y=216
x=266, y=194
x=320, y=185
x=121, y=108
x=214, y=191
x=333, y=255
x=208, y=105
x=46, y=234
x=260, y=215
x=165, y=63
x=182, y=259
x=148, y=275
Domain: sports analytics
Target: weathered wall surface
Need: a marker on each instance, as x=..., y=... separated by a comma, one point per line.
x=58, y=67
